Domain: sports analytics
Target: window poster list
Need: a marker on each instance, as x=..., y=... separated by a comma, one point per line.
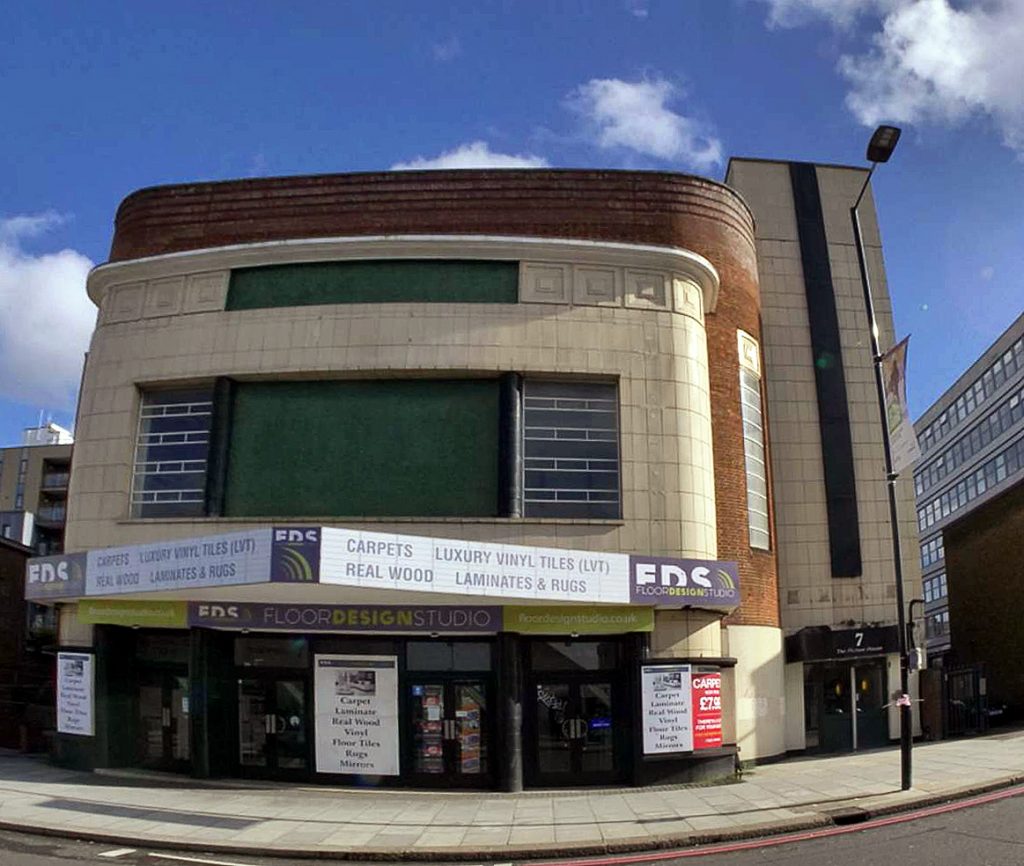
x=75, y=694
x=356, y=704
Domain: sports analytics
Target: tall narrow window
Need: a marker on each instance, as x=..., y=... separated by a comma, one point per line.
x=753, y=442
x=170, y=453
x=571, y=450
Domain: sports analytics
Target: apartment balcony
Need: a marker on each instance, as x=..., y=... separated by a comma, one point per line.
x=52, y=515
x=55, y=482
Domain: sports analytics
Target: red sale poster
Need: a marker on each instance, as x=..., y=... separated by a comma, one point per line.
x=706, y=690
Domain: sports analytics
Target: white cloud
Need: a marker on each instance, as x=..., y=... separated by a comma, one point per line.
x=447, y=50
x=839, y=13
x=930, y=61
x=987, y=272
x=473, y=154
x=634, y=115
x=46, y=318
x=638, y=8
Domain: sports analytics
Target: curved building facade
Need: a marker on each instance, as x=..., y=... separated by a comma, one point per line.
x=426, y=478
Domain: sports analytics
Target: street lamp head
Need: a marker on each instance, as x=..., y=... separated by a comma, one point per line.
x=883, y=143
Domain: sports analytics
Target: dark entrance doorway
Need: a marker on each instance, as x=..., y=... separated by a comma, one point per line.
x=273, y=696
x=845, y=706
x=163, y=721
x=449, y=711
x=272, y=736
x=576, y=713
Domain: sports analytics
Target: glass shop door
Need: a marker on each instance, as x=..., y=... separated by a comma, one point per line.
x=450, y=730
x=162, y=733
x=273, y=738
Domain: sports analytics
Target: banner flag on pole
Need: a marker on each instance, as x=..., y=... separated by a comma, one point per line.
x=902, y=439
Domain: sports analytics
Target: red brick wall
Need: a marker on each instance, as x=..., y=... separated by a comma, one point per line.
x=628, y=207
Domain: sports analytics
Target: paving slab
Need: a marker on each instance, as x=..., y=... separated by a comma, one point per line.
x=145, y=810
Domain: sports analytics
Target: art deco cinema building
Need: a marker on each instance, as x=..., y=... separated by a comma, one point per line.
x=481, y=452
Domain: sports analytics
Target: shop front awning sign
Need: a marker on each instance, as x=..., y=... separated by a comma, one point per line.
x=368, y=618
x=386, y=561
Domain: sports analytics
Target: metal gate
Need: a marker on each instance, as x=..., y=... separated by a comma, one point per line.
x=966, y=701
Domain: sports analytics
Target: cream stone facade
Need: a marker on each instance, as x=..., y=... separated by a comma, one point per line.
x=646, y=331
x=810, y=596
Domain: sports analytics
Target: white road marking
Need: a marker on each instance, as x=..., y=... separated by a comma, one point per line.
x=118, y=852
x=196, y=860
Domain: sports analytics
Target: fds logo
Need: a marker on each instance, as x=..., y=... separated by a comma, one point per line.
x=218, y=611
x=660, y=580
x=669, y=574
x=296, y=553
x=49, y=572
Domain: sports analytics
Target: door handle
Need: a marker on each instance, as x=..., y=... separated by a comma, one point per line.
x=165, y=717
x=268, y=723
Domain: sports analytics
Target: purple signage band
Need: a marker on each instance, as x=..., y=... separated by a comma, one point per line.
x=463, y=619
x=659, y=580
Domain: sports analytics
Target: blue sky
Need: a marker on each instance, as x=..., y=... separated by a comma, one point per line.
x=100, y=99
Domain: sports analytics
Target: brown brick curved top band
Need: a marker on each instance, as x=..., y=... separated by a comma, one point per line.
x=618, y=206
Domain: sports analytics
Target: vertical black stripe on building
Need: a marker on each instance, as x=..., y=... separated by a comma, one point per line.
x=830, y=382
x=220, y=439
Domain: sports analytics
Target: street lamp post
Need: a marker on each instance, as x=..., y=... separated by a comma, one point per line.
x=880, y=148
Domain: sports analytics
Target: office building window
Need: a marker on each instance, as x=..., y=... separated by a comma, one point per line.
x=753, y=447
x=171, y=453
x=937, y=625
x=935, y=587
x=1007, y=416
x=571, y=450
x=992, y=472
x=932, y=551
x=983, y=387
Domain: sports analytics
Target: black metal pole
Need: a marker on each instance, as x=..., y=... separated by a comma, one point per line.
x=906, y=720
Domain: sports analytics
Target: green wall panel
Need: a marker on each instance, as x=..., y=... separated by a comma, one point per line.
x=382, y=448
x=374, y=282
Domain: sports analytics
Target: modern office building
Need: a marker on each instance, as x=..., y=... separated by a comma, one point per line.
x=972, y=449
x=466, y=478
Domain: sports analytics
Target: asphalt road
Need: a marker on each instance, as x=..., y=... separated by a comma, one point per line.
x=985, y=835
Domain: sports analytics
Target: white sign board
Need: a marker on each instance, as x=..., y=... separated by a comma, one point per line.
x=406, y=562
x=213, y=560
x=667, y=709
x=75, y=694
x=356, y=707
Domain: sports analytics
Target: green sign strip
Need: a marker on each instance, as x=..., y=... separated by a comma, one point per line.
x=146, y=614
x=591, y=619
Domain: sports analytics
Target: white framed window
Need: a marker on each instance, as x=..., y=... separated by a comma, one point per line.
x=753, y=442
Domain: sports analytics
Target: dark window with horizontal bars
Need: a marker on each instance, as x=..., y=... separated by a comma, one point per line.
x=571, y=450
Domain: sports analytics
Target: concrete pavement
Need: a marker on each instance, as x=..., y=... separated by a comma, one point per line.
x=274, y=819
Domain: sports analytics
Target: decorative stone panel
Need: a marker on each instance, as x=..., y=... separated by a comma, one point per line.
x=206, y=293
x=596, y=286
x=646, y=289
x=163, y=297
x=750, y=356
x=687, y=298
x=124, y=303
x=544, y=283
